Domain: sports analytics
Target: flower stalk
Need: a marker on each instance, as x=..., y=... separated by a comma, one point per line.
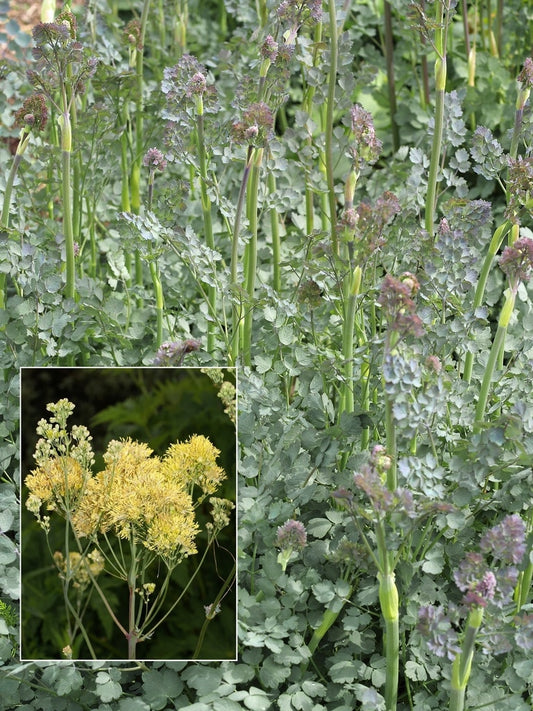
x=462, y=664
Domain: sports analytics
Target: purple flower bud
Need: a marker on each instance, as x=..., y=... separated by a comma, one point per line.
x=292, y=535
x=517, y=260
x=367, y=146
x=197, y=84
x=132, y=34
x=154, y=159
x=269, y=48
x=170, y=353
x=398, y=306
x=33, y=113
x=526, y=75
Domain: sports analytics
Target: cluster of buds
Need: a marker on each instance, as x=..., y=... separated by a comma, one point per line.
x=517, y=261
x=256, y=126
x=366, y=145
x=173, y=353
x=396, y=300
x=33, y=115
x=291, y=538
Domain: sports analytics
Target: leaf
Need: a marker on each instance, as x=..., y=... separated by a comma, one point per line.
x=202, y=678
x=272, y=674
x=415, y=671
x=257, y=700
x=106, y=688
x=524, y=669
x=161, y=686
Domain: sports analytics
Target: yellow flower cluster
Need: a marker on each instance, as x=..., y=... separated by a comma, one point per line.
x=194, y=463
x=138, y=496
x=58, y=482
x=135, y=496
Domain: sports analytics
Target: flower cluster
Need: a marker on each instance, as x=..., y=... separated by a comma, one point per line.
x=256, y=126
x=519, y=186
x=526, y=75
x=132, y=35
x=137, y=496
x=504, y=543
x=172, y=353
x=33, y=114
x=291, y=535
x=484, y=586
x=296, y=12
x=396, y=300
x=291, y=538
x=154, y=159
x=366, y=145
x=517, y=261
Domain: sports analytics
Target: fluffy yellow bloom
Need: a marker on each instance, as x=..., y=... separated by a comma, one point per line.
x=134, y=497
x=194, y=463
x=57, y=481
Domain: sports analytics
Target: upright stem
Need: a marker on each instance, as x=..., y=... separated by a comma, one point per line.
x=208, y=222
x=159, y=301
x=237, y=301
x=441, y=22
x=251, y=254
x=497, y=346
x=389, y=58
x=274, y=234
x=330, y=106
x=494, y=246
x=66, y=149
x=135, y=180
x=462, y=664
x=4, y=219
x=132, y=580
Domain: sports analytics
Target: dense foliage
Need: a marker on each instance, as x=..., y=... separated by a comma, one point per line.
x=335, y=198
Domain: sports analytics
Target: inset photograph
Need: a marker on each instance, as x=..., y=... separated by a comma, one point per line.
x=128, y=518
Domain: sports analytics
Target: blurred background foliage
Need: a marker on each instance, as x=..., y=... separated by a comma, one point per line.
x=158, y=406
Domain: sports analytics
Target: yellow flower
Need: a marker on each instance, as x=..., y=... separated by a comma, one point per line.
x=194, y=463
x=133, y=497
x=58, y=482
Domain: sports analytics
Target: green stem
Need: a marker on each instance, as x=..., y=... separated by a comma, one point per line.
x=497, y=346
x=441, y=24
x=274, y=233
x=4, y=220
x=135, y=179
x=391, y=84
x=237, y=301
x=66, y=194
x=462, y=664
x=251, y=254
x=390, y=432
x=388, y=598
x=207, y=218
x=159, y=300
x=214, y=607
x=132, y=635
x=494, y=246
x=330, y=106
